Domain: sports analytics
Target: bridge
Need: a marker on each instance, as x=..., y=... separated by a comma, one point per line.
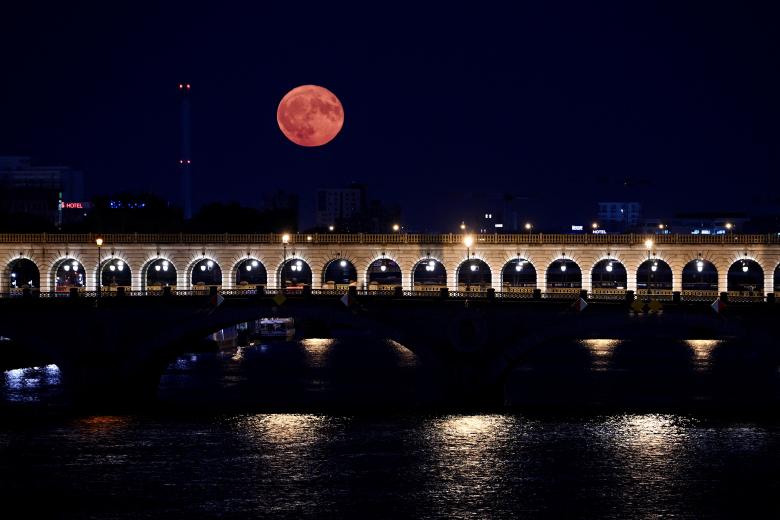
x=609, y=266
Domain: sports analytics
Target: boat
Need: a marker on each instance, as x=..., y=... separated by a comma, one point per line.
x=267, y=328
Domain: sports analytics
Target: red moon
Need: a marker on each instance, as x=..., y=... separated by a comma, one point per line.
x=310, y=115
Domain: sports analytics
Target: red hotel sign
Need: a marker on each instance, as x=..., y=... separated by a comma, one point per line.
x=76, y=205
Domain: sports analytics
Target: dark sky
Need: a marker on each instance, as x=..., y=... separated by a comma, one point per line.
x=560, y=103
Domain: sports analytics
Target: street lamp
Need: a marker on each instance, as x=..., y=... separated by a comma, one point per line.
x=396, y=227
x=463, y=226
x=528, y=227
x=595, y=225
x=649, y=245
x=331, y=228
x=729, y=227
x=285, y=241
x=99, y=243
x=468, y=241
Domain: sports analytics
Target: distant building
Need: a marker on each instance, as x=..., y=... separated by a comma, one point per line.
x=496, y=212
x=339, y=204
x=707, y=223
x=619, y=216
x=52, y=193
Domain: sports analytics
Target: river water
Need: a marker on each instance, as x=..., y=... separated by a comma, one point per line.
x=223, y=443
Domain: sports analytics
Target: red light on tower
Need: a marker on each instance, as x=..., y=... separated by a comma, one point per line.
x=188, y=86
x=181, y=86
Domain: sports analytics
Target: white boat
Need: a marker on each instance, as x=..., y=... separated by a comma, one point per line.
x=283, y=328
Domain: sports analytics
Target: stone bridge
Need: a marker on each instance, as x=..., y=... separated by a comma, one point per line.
x=704, y=265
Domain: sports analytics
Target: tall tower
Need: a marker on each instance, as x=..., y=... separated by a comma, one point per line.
x=185, y=158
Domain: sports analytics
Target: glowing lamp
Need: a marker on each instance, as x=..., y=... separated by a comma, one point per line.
x=111, y=268
x=563, y=267
x=99, y=241
x=299, y=264
x=474, y=267
x=383, y=268
x=203, y=268
x=157, y=268
x=285, y=238
x=468, y=241
x=210, y=264
x=343, y=263
x=66, y=267
x=519, y=267
x=654, y=267
x=255, y=263
x=744, y=268
x=75, y=265
x=699, y=265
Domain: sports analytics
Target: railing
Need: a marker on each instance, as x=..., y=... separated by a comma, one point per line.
x=381, y=238
x=685, y=296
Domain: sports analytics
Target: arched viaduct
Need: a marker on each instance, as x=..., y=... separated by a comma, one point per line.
x=552, y=263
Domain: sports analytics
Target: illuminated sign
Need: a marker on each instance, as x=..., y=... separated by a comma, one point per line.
x=599, y=231
x=576, y=228
x=76, y=205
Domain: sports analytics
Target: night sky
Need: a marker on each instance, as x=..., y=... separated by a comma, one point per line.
x=568, y=105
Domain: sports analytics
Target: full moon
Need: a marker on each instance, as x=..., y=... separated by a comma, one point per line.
x=310, y=115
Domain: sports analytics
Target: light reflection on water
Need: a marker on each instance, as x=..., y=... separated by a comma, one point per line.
x=702, y=351
x=601, y=352
x=317, y=351
x=28, y=384
x=454, y=466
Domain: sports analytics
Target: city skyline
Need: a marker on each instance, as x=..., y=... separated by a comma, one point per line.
x=676, y=112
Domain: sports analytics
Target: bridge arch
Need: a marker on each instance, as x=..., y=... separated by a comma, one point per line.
x=204, y=272
x=745, y=277
x=776, y=283
x=383, y=273
x=429, y=274
x=157, y=273
x=700, y=276
x=338, y=273
x=114, y=273
x=294, y=274
x=68, y=273
x=609, y=274
x=249, y=272
x=518, y=275
x=22, y=273
x=473, y=274
x=563, y=276
x=654, y=275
